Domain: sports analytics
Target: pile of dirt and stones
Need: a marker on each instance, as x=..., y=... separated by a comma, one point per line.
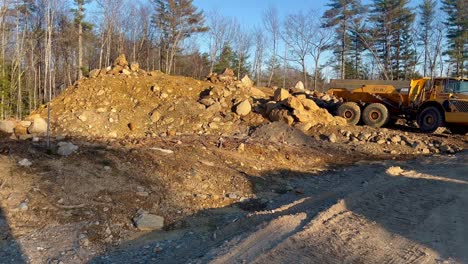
x=126, y=101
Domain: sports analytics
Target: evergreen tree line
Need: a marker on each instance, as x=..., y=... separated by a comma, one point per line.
x=46, y=45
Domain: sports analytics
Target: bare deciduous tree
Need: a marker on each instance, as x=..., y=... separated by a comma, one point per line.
x=273, y=27
x=221, y=32
x=298, y=34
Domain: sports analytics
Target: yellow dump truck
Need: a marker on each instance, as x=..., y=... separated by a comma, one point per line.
x=441, y=102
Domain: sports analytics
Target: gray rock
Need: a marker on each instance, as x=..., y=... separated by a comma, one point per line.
x=7, y=126
x=66, y=148
x=145, y=221
x=25, y=163
x=446, y=149
x=23, y=206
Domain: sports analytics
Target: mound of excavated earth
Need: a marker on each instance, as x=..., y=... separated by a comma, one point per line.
x=125, y=101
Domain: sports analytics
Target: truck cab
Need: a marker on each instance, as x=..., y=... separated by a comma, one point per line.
x=445, y=105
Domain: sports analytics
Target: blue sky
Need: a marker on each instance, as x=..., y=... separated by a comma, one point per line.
x=249, y=12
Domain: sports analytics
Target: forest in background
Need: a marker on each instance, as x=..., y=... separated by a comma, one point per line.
x=46, y=45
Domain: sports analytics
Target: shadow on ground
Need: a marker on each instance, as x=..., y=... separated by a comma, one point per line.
x=10, y=250
x=425, y=204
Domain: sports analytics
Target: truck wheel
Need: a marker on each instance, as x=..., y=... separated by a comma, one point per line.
x=375, y=115
x=351, y=112
x=430, y=119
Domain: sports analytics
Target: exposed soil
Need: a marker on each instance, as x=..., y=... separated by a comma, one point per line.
x=231, y=185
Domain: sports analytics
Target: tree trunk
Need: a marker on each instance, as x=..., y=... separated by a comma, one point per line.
x=80, y=39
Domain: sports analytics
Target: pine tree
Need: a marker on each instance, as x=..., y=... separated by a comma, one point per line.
x=457, y=33
x=340, y=16
x=427, y=15
x=392, y=21
x=82, y=26
x=357, y=47
x=225, y=59
x=176, y=21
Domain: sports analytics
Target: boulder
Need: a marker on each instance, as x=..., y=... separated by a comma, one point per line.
x=283, y=115
x=38, y=126
x=309, y=104
x=94, y=73
x=293, y=103
x=121, y=60
x=21, y=130
x=134, y=67
x=281, y=94
x=116, y=70
x=148, y=222
x=303, y=115
x=304, y=127
x=270, y=106
x=247, y=82
x=299, y=85
x=228, y=72
x=244, y=108
x=66, y=148
x=256, y=93
x=7, y=126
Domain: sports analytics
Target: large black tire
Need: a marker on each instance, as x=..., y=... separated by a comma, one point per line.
x=351, y=112
x=461, y=130
x=375, y=115
x=430, y=119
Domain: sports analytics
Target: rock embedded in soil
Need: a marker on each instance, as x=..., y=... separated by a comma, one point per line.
x=332, y=138
x=7, y=126
x=94, y=73
x=293, y=103
x=38, y=126
x=66, y=148
x=134, y=67
x=283, y=115
x=145, y=221
x=25, y=163
x=247, y=82
x=280, y=95
x=121, y=61
x=244, y=108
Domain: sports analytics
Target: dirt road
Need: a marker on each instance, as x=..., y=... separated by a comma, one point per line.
x=374, y=212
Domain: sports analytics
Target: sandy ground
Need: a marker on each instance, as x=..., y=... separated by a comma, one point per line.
x=296, y=200
x=374, y=212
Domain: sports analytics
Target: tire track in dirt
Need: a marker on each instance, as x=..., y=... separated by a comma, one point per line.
x=360, y=214
x=389, y=222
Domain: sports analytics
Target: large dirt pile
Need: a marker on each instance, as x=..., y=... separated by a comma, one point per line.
x=118, y=102
x=126, y=101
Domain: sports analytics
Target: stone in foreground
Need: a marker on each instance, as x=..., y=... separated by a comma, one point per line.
x=148, y=222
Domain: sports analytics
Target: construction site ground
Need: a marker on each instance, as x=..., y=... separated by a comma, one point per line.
x=291, y=200
x=226, y=173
